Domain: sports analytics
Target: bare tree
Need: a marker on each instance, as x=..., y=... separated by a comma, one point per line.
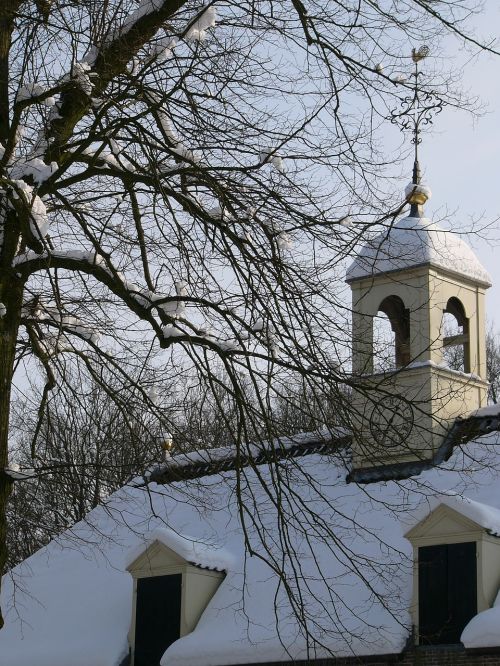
x=89, y=445
x=453, y=356
x=180, y=177
x=493, y=364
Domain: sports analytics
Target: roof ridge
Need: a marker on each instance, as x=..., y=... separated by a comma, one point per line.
x=170, y=471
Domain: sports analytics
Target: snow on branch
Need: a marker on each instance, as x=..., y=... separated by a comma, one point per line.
x=161, y=50
x=15, y=474
x=38, y=217
x=177, y=146
x=114, y=159
x=172, y=306
x=34, y=167
x=35, y=311
x=269, y=156
x=171, y=309
x=81, y=73
x=36, y=92
x=145, y=7
x=198, y=30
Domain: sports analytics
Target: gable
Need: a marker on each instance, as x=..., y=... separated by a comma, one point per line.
x=156, y=558
x=442, y=523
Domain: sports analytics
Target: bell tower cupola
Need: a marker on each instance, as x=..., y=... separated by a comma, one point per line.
x=420, y=277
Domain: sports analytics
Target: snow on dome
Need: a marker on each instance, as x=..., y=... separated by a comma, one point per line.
x=489, y=410
x=415, y=241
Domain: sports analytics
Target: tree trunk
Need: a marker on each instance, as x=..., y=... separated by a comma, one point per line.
x=11, y=295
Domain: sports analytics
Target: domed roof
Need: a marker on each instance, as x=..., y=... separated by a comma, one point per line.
x=417, y=241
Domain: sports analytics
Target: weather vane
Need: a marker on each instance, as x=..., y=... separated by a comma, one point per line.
x=416, y=111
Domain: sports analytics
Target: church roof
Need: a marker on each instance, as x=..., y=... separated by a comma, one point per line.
x=417, y=241
x=356, y=578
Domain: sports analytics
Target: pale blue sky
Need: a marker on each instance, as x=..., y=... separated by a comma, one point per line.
x=461, y=157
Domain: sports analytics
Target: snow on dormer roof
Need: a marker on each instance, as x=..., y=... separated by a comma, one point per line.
x=191, y=549
x=484, y=515
x=417, y=241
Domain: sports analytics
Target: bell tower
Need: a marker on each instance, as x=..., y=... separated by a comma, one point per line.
x=417, y=275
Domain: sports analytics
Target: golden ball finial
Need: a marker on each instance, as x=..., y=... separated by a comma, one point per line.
x=416, y=195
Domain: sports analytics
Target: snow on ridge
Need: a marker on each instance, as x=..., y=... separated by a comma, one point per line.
x=415, y=241
x=220, y=454
x=193, y=550
x=443, y=366
x=489, y=410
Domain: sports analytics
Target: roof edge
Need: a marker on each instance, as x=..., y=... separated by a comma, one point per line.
x=462, y=431
x=433, y=264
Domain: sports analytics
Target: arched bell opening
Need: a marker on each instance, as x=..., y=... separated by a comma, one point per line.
x=455, y=333
x=391, y=348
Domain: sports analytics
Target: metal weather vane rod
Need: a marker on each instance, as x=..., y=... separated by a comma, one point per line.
x=416, y=111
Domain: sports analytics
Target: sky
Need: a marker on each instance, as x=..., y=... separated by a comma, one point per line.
x=461, y=157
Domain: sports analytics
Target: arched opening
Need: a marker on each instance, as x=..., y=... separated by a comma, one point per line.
x=391, y=335
x=455, y=333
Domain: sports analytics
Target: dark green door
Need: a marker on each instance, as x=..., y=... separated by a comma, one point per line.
x=158, y=617
x=447, y=591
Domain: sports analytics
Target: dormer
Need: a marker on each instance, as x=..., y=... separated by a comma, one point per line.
x=456, y=574
x=418, y=276
x=175, y=578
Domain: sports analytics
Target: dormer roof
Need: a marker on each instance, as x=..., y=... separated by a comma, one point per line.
x=192, y=550
x=413, y=242
x=475, y=513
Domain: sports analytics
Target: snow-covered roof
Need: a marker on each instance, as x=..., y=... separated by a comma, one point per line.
x=416, y=241
x=357, y=585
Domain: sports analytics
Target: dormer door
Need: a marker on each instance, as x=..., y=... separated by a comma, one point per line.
x=158, y=617
x=447, y=591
